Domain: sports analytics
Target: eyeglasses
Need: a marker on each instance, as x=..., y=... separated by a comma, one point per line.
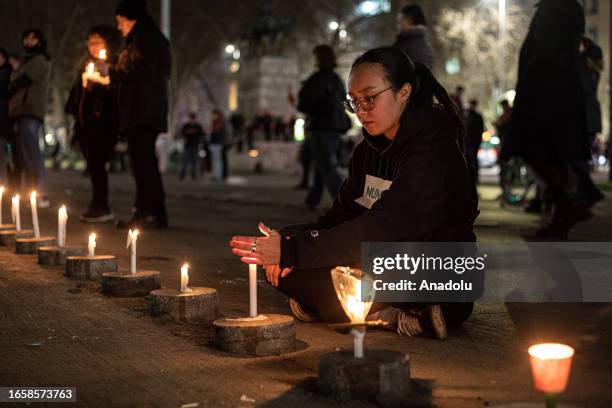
x=366, y=103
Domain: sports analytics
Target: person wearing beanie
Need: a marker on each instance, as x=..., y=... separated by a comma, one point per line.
x=142, y=74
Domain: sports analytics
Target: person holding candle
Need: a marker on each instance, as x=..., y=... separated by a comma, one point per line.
x=142, y=74
x=413, y=152
x=95, y=132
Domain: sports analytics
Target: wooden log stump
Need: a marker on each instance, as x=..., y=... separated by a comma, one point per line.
x=127, y=284
x=201, y=305
x=8, y=237
x=381, y=376
x=264, y=335
x=29, y=246
x=56, y=256
x=90, y=267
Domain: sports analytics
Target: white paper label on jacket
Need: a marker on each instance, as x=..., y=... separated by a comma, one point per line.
x=372, y=190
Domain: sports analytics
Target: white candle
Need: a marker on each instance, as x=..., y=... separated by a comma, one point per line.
x=34, y=214
x=16, y=216
x=1, y=194
x=184, y=278
x=252, y=290
x=91, y=245
x=62, y=217
x=131, y=242
x=358, y=335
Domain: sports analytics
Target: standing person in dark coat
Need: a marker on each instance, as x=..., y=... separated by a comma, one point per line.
x=548, y=127
x=474, y=127
x=192, y=134
x=27, y=108
x=5, y=78
x=412, y=157
x=142, y=74
x=591, y=59
x=321, y=100
x=412, y=35
x=94, y=108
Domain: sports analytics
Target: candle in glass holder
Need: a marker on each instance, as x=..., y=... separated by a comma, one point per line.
x=62, y=217
x=34, y=208
x=550, y=367
x=91, y=245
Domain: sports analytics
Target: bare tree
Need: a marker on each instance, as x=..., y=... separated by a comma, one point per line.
x=487, y=61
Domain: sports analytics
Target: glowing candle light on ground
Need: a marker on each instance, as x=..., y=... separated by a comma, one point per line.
x=131, y=243
x=91, y=245
x=184, y=278
x=16, y=215
x=252, y=290
x=34, y=208
x=550, y=366
x=62, y=218
x=348, y=283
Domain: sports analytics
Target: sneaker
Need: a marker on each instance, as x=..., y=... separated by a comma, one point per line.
x=428, y=321
x=302, y=313
x=97, y=216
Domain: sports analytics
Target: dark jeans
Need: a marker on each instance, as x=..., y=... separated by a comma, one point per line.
x=98, y=146
x=27, y=154
x=314, y=289
x=190, y=160
x=305, y=160
x=150, y=196
x=324, y=148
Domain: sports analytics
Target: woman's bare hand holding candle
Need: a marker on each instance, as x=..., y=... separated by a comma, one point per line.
x=261, y=251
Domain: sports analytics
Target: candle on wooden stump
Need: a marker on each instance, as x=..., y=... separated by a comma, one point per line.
x=34, y=208
x=91, y=245
x=252, y=290
x=131, y=243
x=62, y=217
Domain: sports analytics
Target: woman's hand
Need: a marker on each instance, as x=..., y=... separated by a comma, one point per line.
x=258, y=250
x=274, y=272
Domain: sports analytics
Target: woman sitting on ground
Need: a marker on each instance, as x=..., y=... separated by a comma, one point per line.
x=412, y=142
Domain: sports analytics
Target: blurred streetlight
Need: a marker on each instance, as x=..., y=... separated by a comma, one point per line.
x=230, y=48
x=333, y=25
x=342, y=34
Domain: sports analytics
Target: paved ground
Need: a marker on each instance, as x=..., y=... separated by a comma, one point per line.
x=54, y=331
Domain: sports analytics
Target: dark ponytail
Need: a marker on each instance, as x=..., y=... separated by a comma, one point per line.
x=400, y=70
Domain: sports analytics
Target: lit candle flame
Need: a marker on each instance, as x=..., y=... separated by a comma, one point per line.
x=102, y=54
x=90, y=68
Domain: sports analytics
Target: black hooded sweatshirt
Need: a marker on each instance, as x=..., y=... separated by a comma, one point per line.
x=431, y=196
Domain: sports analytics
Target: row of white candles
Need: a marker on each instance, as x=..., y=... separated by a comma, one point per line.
x=16, y=216
x=62, y=218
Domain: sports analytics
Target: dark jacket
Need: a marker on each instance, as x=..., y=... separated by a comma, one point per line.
x=5, y=78
x=548, y=117
x=29, y=86
x=474, y=127
x=94, y=107
x=321, y=100
x=415, y=44
x=591, y=64
x=432, y=197
x=192, y=133
x=142, y=74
